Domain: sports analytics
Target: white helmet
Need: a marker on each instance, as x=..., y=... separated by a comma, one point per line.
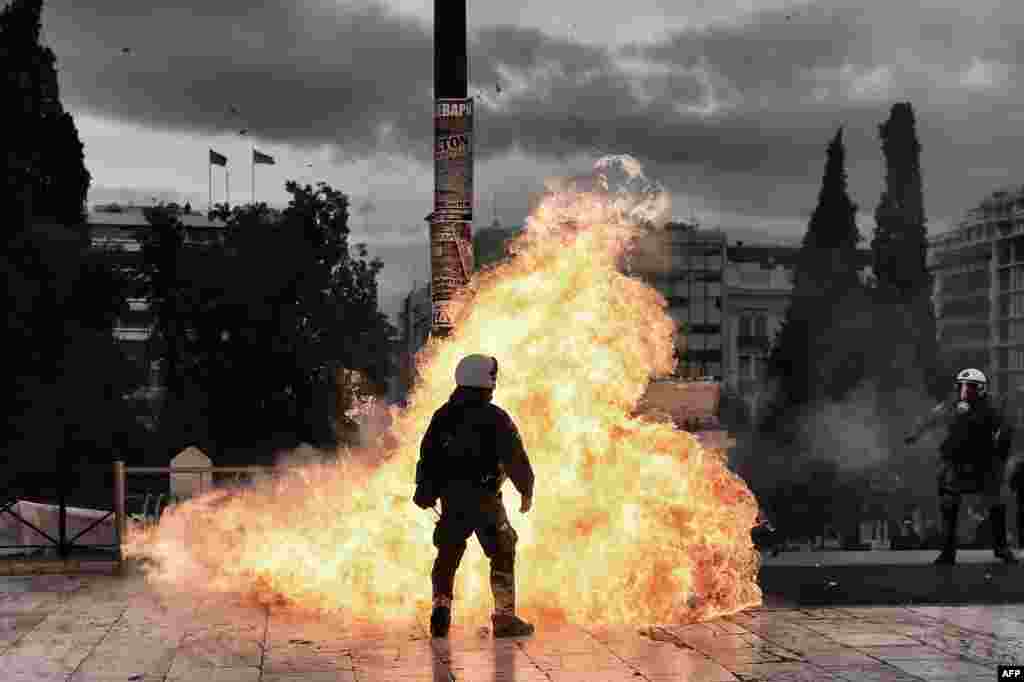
x=973, y=376
x=478, y=371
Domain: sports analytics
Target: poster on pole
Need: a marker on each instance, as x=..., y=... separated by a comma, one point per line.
x=451, y=245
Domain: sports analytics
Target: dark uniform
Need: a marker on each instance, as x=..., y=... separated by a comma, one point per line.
x=1016, y=481
x=972, y=461
x=469, y=449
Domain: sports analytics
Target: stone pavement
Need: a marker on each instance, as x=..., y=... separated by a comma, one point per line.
x=106, y=629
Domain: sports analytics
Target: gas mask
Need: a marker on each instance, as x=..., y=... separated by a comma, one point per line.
x=967, y=394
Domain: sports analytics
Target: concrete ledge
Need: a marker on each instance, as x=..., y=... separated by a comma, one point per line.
x=848, y=578
x=52, y=566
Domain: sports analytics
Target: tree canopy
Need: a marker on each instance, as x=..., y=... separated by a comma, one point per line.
x=257, y=339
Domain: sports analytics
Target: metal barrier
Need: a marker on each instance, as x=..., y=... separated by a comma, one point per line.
x=62, y=543
x=121, y=472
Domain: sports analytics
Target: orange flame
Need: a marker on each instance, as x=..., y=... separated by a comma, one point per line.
x=633, y=521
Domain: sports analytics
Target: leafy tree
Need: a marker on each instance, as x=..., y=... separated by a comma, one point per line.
x=267, y=322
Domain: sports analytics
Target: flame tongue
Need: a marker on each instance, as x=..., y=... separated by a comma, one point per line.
x=633, y=521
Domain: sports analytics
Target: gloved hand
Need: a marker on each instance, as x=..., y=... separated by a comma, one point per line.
x=526, y=505
x=424, y=498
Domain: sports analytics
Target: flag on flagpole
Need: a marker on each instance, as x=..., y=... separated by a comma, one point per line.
x=259, y=157
x=218, y=159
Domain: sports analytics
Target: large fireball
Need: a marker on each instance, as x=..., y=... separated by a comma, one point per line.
x=633, y=522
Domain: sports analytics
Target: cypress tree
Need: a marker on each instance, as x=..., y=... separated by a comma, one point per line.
x=62, y=396
x=42, y=152
x=899, y=253
x=805, y=362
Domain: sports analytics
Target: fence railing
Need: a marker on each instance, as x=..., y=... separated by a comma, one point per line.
x=121, y=472
x=64, y=544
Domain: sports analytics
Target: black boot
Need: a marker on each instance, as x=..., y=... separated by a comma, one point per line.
x=1020, y=519
x=997, y=519
x=441, y=617
x=510, y=626
x=950, y=514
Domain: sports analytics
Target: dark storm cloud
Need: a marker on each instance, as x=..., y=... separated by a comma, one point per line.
x=307, y=74
x=297, y=75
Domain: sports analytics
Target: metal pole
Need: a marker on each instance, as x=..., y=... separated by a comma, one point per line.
x=62, y=510
x=451, y=245
x=119, y=516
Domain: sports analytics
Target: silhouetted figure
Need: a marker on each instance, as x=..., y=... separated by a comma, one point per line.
x=973, y=458
x=469, y=449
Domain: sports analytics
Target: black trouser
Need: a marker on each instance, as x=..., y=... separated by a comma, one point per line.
x=466, y=510
x=985, y=481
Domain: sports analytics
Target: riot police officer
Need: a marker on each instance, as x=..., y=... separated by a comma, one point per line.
x=469, y=449
x=973, y=456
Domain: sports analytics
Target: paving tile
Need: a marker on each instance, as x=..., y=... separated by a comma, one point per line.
x=641, y=648
x=803, y=643
x=14, y=626
x=704, y=640
x=593, y=676
x=579, y=663
x=66, y=659
x=991, y=652
x=337, y=676
x=874, y=673
x=204, y=650
x=738, y=657
x=392, y=676
x=940, y=669
x=28, y=667
x=852, y=627
x=727, y=627
x=184, y=673
x=28, y=602
x=135, y=660
x=779, y=672
x=683, y=665
x=91, y=677
x=912, y=652
x=292, y=660
x=838, y=659
x=871, y=639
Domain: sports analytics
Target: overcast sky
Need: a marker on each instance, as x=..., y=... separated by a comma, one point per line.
x=729, y=104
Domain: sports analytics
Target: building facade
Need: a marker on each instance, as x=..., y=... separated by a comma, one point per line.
x=118, y=232
x=414, y=323
x=978, y=270
x=759, y=284
x=687, y=265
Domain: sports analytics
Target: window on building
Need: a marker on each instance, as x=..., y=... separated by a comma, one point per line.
x=745, y=367
x=760, y=326
x=746, y=326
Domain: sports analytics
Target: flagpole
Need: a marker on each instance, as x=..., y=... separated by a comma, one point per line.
x=209, y=192
x=227, y=187
x=252, y=158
